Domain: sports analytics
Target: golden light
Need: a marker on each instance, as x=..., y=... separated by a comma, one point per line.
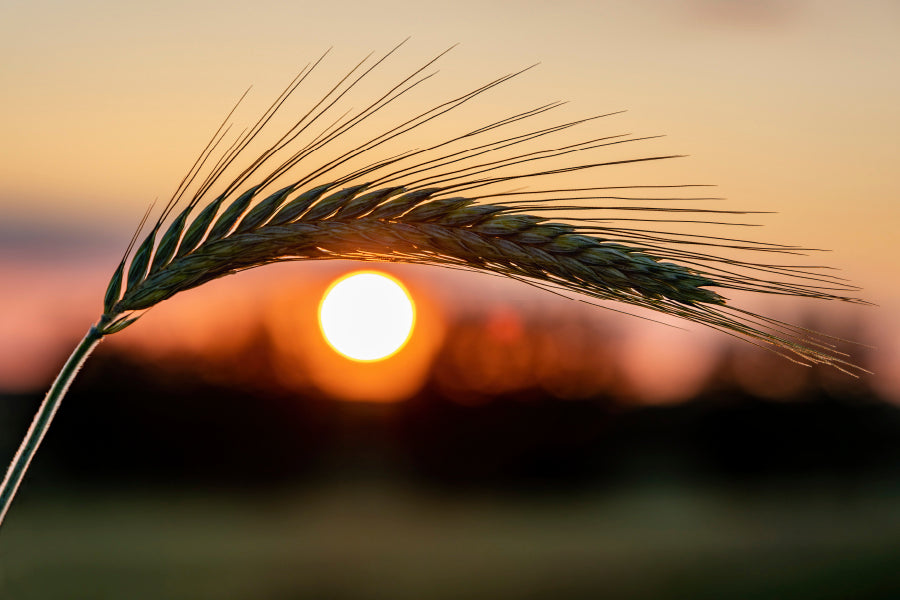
x=366, y=316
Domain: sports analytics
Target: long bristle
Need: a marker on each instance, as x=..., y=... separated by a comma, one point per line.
x=449, y=204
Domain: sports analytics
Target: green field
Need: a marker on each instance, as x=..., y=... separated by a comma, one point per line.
x=380, y=541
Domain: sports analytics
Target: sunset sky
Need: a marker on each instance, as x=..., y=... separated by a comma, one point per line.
x=788, y=106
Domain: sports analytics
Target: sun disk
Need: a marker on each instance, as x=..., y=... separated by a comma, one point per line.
x=366, y=316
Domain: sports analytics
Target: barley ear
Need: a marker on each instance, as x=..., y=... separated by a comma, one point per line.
x=398, y=206
x=265, y=209
x=298, y=205
x=231, y=215
x=198, y=227
x=114, y=289
x=330, y=204
x=363, y=204
x=118, y=325
x=141, y=261
x=169, y=242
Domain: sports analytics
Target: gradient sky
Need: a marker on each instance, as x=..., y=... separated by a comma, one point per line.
x=789, y=106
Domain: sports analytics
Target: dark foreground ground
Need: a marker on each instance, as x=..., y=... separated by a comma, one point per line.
x=370, y=540
x=189, y=490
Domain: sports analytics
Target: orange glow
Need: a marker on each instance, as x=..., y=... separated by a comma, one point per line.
x=366, y=316
x=103, y=114
x=507, y=350
x=306, y=360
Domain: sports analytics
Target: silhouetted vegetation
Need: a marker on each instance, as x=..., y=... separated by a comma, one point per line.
x=173, y=425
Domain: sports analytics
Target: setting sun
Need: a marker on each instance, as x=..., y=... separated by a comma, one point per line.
x=366, y=316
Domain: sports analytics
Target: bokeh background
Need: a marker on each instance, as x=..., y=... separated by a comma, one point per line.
x=522, y=445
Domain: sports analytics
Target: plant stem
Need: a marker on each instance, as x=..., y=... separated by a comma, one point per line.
x=42, y=419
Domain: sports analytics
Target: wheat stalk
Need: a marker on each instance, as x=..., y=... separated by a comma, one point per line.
x=447, y=204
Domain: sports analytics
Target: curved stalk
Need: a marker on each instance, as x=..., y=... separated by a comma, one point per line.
x=42, y=419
